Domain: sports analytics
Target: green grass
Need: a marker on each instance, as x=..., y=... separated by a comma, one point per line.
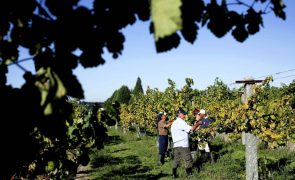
x=127, y=157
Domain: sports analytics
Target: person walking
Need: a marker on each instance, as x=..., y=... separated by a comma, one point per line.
x=163, y=126
x=180, y=136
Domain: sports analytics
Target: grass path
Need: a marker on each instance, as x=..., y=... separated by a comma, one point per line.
x=126, y=157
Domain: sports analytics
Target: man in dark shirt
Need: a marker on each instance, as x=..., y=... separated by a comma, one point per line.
x=205, y=119
x=205, y=123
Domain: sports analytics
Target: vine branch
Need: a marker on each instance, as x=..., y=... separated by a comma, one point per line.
x=21, y=67
x=239, y=2
x=20, y=61
x=266, y=7
x=41, y=8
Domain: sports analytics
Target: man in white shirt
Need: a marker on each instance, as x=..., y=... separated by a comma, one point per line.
x=179, y=131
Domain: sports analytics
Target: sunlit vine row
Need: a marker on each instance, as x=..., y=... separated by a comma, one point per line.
x=268, y=113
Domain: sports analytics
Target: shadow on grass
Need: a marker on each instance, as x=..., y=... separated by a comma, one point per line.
x=110, y=161
x=113, y=140
x=203, y=157
x=120, y=150
x=216, y=147
x=143, y=133
x=85, y=172
x=133, y=172
x=128, y=167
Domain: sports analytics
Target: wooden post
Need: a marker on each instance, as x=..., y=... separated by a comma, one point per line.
x=250, y=139
x=243, y=99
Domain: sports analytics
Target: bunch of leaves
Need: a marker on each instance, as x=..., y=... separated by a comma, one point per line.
x=143, y=109
x=270, y=115
x=84, y=133
x=267, y=114
x=290, y=90
x=185, y=17
x=50, y=32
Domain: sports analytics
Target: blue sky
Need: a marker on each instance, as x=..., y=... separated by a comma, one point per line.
x=269, y=52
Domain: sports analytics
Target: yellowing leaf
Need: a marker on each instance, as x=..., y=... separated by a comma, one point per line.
x=244, y=116
x=44, y=94
x=272, y=125
x=253, y=123
x=245, y=106
x=48, y=109
x=61, y=90
x=275, y=136
x=166, y=16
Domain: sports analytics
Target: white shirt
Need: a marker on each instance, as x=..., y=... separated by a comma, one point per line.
x=179, y=132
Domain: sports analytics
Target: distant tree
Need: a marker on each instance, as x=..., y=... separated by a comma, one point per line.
x=138, y=87
x=123, y=95
x=52, y=30
x=112, y=107
x=111, y=99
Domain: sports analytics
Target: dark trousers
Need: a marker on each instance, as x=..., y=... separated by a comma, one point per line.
x=182, y=153
x=163, y=144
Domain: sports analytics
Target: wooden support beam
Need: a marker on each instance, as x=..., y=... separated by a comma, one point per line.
x=249, y=81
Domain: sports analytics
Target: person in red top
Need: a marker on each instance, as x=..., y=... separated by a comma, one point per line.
x=163, y=126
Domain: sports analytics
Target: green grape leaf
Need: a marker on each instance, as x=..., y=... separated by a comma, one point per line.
x=48, y=109
x=166, y=16
x=50, y=166
x=61, y=90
